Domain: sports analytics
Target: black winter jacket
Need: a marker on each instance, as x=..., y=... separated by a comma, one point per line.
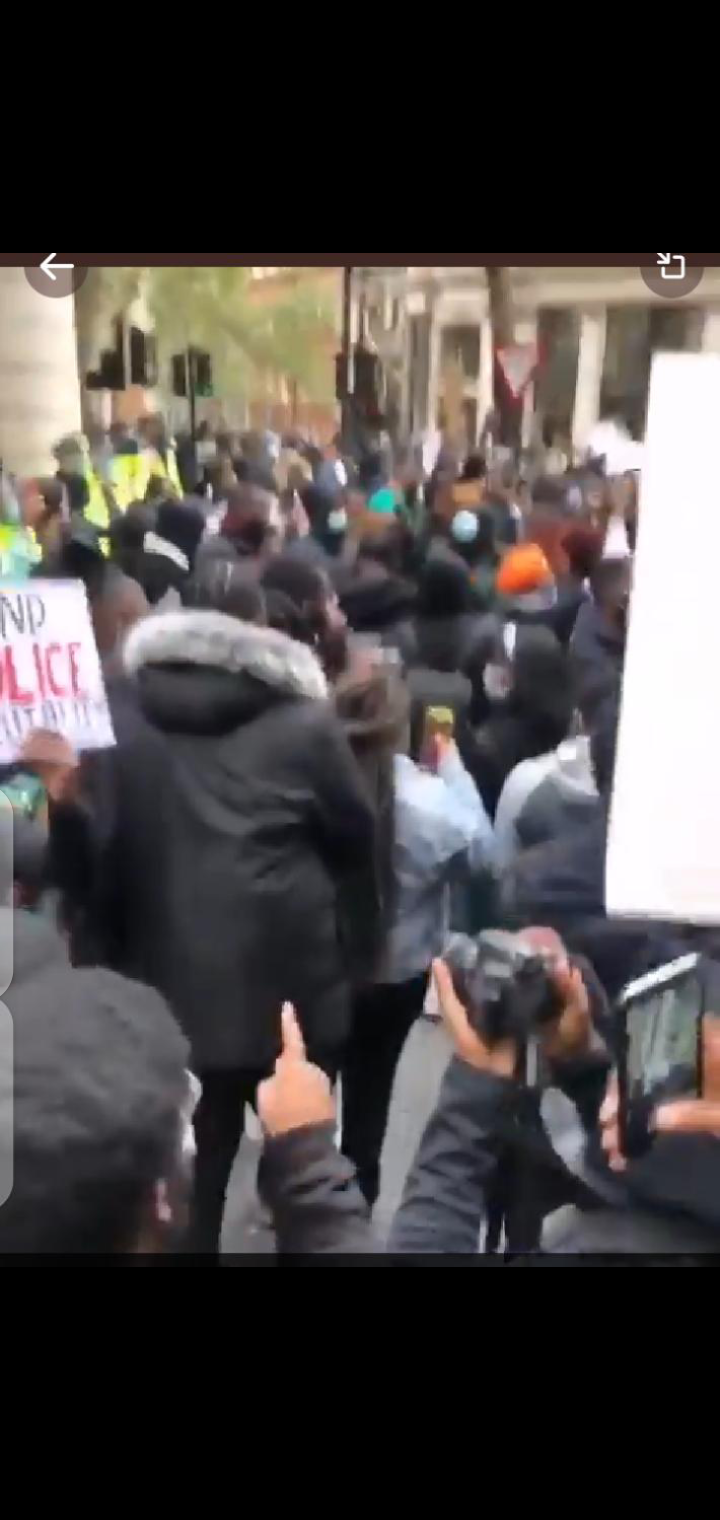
x=597, y=653
x=237, y=808
x=379, y=604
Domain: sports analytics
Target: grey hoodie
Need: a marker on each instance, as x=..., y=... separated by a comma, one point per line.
x=542, y=796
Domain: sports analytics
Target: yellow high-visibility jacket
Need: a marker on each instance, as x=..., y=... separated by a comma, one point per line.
x=128, y=476
x=96, y=511
x=166, y=469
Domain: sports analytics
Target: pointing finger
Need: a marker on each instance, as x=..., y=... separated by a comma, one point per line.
x=292, y=1040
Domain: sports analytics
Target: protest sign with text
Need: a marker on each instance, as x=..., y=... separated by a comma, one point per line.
x=664, y=843
x=50, y=673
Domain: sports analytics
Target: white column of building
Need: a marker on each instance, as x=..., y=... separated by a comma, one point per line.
x=39, y=387
x=711, y=331
x=593, y=334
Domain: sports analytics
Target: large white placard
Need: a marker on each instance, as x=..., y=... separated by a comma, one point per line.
x=50, y=673
x=664, y=844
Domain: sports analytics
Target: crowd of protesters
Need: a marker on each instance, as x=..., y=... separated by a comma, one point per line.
x=355, y=708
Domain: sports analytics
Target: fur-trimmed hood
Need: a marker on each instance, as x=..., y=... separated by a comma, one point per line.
x=208, y=674
x=220, y=643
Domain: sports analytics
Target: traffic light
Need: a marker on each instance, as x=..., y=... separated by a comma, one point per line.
x=143, y=358
x=110, y=374
x=202, y=372
x=179, y=375
x=367, y=376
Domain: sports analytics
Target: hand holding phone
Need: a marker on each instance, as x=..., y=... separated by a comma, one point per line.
x=661, y=1049
x=51, y=759
x=439, y=735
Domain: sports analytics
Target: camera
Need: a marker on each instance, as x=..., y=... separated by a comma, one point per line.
x=506, y=986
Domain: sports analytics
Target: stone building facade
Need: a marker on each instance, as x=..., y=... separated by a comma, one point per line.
x=596, y=329
x=39, y=387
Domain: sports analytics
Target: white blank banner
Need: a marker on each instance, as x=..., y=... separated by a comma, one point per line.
x=664, y=844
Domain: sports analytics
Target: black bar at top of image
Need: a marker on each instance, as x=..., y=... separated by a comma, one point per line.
x=88, y=260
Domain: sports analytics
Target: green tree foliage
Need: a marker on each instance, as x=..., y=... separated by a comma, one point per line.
x=285, y=334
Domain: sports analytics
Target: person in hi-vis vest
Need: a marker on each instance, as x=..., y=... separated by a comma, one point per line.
x=75, y=464
x=127, y=468
x=159, y=453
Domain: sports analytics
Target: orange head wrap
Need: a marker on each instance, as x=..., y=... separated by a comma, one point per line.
x=523, y=569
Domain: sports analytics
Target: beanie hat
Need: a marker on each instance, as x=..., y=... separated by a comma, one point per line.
x=295, y=578
x=523, y=569
x=182, y=524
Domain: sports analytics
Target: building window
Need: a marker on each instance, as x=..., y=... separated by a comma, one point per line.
x=634, y=334
x=556, y=385
x=461, y=345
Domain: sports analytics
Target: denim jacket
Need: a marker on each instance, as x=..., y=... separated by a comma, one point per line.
x=440, y=827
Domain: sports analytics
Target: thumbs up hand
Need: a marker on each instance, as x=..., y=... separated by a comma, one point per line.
x=299, y=1094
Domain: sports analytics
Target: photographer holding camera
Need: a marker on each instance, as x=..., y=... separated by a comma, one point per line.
x=485, y=1144
x=664, y=1199
x=531, y=1069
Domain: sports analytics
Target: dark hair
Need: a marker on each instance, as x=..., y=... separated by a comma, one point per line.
x=126, y=534
x=300, y=581
x=96, y=1100
x=583, y=546
x=387, y=544
x=253, y=473
x=78, y=491
x=181, y=524
x=444, y=586
x=543, y=689
x=318, y=504
x=80, y=558
x=246, y=521
x=371, y=470
x=285, y=617
x=374, y=710
x=224, y=585
x=304, y=588
x=608, y=577
x=474, y=468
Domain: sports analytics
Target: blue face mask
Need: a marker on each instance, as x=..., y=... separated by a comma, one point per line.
x=337, y=520
x=465, y=527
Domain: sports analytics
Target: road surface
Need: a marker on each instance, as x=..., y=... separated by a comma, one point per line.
x=419, y=1076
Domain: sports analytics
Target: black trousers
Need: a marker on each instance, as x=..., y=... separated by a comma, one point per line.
x=219, y=1124
x=382, y=1020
